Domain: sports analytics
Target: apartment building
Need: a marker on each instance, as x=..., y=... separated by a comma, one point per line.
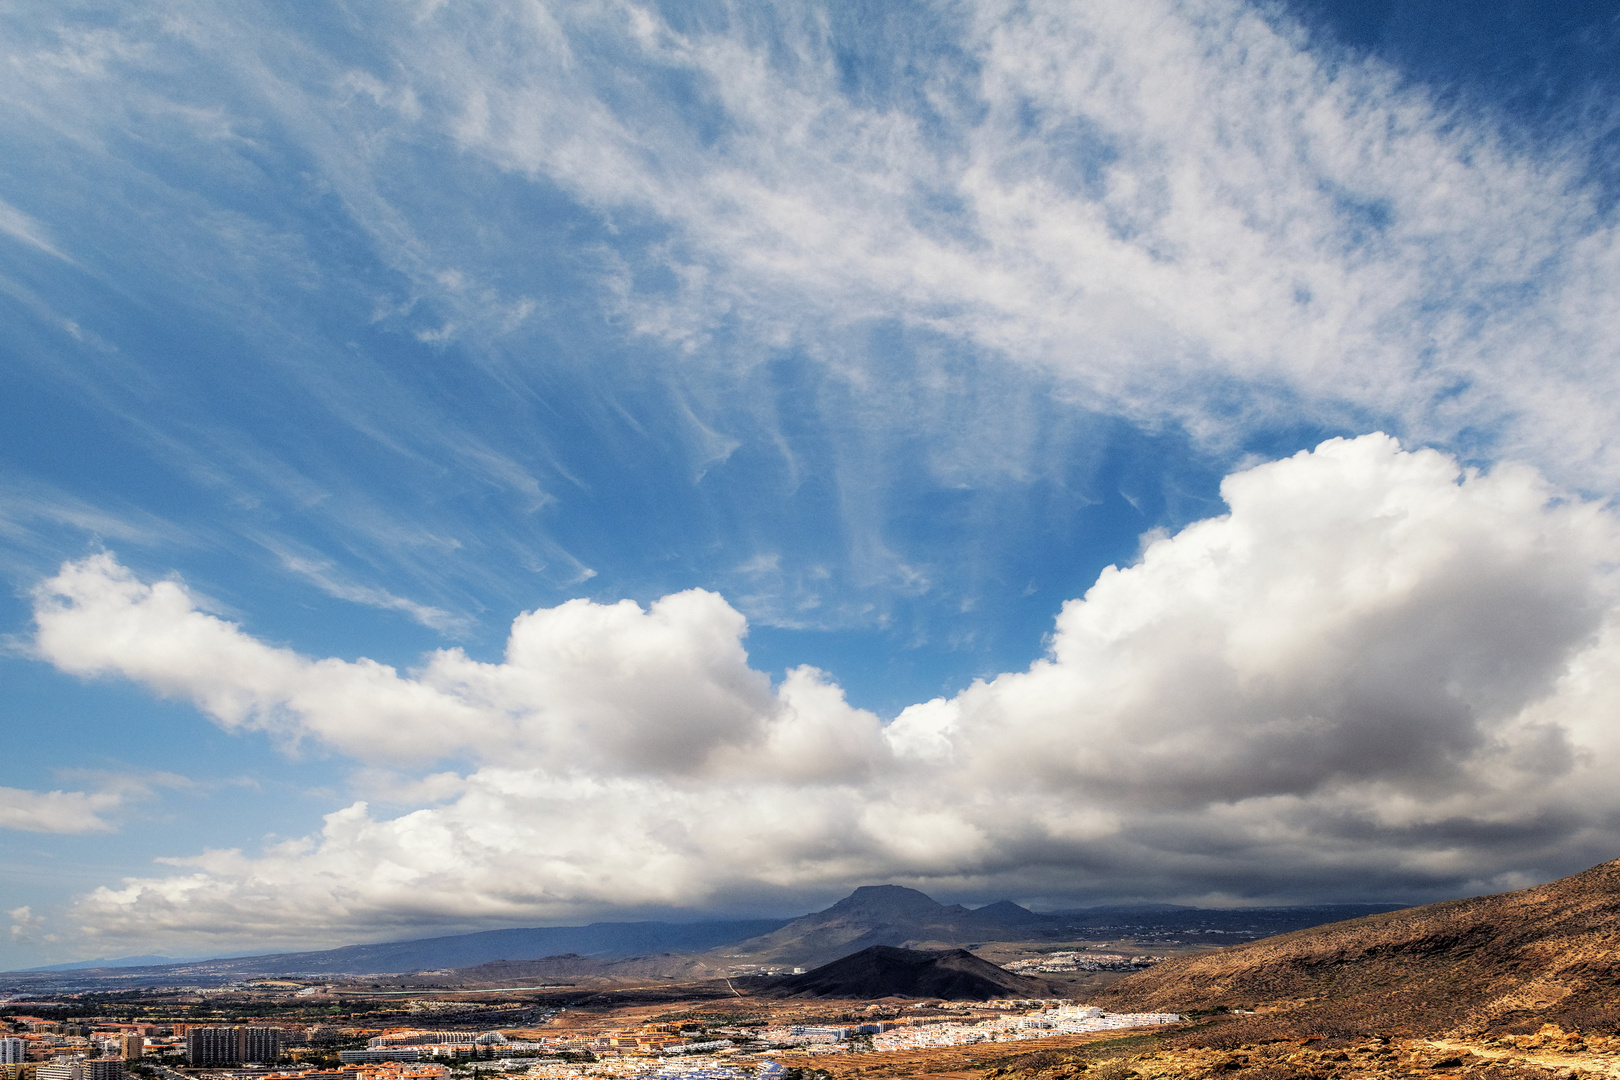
x=82, y=1069
x=232, y=1045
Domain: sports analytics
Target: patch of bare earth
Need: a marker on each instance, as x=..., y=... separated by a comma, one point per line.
x=937, y=1061
x=1551, y=1054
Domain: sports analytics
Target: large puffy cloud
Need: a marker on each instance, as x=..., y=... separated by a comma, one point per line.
x=603, y=689
x=1357, y=615
x=1376, y=674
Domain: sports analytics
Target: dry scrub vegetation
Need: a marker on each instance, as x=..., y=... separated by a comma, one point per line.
x=1270, y=1048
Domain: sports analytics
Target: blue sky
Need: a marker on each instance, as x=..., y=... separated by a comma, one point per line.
x=347, y=340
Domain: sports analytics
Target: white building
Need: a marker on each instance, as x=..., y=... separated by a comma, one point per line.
x=381, y=1053
x=82, y=1069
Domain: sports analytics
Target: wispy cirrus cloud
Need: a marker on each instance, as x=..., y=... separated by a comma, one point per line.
x=19, y=226
x=1174, y=207
x=1178, y=212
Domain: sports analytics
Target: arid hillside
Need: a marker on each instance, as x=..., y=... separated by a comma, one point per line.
x=1492, y=963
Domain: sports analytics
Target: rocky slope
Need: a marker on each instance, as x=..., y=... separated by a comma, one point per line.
x=1490, y=963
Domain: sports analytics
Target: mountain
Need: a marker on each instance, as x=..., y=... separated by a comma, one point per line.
x=871, y=915
x=569, y=969
x=897, y=916
x=1007, y=913
x=885, y=915
x=1160, y=920
x=1507, y=962
x=609, y=940
x=119, y=962
x=466, y=950
x=881, y=971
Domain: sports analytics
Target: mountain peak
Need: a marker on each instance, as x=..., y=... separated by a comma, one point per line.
x=886, y=900
x=1007, y=912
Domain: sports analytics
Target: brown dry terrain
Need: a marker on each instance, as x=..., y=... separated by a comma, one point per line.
x=1519, y=986
x=1509, y=962
x=952, y=1061
x=1222, y=1050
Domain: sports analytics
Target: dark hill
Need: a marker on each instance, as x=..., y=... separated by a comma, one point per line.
x=882, y=971
x=1007, y=913
x=1506, y=962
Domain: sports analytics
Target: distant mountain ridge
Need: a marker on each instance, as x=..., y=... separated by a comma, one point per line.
x=602, y=940
x=899, y=917
x=570, y=969
x=888, y=915
x=116, y=962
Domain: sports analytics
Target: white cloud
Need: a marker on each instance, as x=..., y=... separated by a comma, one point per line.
x=333, y=583
x=57, y=811
x=1376, y=672
x=1171, y=204
x=19, y=226
x=583, y=685
x=25, y=924
x=1133, y=196
x=1172, y=208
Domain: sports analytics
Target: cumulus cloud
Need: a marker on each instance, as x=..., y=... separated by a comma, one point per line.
x=25, y=925
x=1377, y=672
x=597, y=687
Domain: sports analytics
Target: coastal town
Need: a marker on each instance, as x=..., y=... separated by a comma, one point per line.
x=554, y=1042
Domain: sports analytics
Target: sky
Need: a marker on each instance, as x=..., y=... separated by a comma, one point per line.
x=522, y=463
